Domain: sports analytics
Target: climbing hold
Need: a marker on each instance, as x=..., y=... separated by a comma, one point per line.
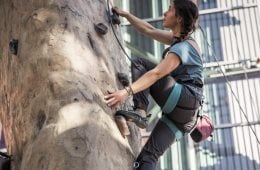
x=101, y=28
x=13, y=46
x=123, y=79
x=115, y=18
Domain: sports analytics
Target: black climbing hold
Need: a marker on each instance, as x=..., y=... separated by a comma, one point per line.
x=115, y=18
x=13, y=46
x=101, y=28
x=123, y=79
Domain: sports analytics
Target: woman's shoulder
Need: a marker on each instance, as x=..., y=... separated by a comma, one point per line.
x=193, y=44
x=186, y=46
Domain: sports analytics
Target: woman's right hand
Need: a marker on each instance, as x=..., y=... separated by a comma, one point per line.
x=113, y=99
x=119, y=11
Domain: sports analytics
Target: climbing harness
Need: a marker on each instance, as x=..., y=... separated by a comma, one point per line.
x=172, y=99
x=168, y=108
x=178, y=134
x=203, y=128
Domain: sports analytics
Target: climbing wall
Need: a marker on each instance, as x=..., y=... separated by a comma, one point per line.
x=55, y=69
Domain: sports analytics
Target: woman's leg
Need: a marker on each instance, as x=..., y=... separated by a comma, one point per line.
x=161, y=90
x=160, y=139
x=183, y=115
x=139, y=67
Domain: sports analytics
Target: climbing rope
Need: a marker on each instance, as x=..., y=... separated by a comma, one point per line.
x=117, y=39
x=228, y=82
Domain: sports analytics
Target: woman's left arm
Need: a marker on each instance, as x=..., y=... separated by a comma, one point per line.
x=167, y=65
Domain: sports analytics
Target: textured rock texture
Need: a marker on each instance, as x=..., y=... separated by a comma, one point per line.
x=51, y=92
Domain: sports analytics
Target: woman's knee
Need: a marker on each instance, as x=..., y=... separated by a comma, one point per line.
x=138, y=68
x=136, y=62
x=146, y=161
x=141, y=64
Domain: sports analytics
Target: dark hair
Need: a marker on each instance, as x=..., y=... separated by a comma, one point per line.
x=188, y=11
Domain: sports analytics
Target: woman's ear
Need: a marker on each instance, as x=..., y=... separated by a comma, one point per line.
x=179, y=20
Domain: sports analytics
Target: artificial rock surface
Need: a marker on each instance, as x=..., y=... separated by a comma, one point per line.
x=51, y=92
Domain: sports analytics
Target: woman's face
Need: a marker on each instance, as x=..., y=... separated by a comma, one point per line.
x=170, y=20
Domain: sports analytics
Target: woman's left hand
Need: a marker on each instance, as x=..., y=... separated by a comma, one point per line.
x=116, y=98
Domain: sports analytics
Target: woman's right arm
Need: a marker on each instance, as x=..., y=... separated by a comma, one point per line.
x=144, y=27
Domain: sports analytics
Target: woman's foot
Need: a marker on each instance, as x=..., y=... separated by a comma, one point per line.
x=122, y=125
x=134, y=116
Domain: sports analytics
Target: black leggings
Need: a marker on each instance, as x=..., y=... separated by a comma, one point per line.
x=159, y=90
x=160, y=139
x=183, y=115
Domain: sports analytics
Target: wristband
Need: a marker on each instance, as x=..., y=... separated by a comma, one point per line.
x=129, y=90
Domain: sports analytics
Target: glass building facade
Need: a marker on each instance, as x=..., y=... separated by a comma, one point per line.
x=229, y=38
